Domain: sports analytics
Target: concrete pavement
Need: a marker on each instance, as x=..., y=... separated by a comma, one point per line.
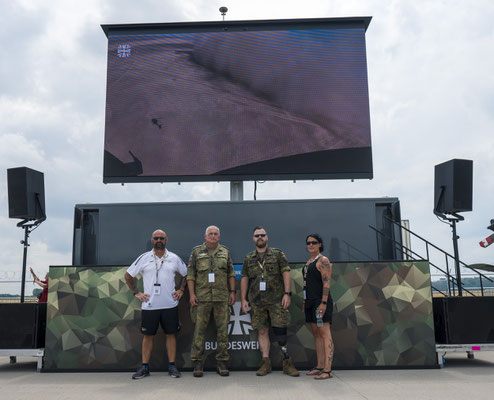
x=461, y=378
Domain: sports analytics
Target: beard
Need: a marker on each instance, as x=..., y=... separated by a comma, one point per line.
x=159, y=245
x=261, y=244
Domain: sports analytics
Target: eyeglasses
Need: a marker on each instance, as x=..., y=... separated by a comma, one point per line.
x=156, y=238
x=313, y=242
x=258, y=235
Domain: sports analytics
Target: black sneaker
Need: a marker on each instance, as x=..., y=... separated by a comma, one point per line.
x=142, y=372
x=174, y=372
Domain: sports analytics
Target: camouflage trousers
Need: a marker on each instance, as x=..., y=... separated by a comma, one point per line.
x=200, y=316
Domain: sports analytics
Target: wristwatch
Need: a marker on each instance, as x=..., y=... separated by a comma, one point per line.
x=324, y=302
x=135, y=291
x=233, y=291
x=288, y=293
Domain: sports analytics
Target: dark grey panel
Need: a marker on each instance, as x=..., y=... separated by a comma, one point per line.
x=124, y=230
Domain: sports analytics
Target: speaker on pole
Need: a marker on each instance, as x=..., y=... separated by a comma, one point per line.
x=26, y=189
x=453, y=186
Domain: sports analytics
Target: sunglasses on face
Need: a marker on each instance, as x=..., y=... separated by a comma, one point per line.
x=258, y=235
x=156, y=238
x=313, y=242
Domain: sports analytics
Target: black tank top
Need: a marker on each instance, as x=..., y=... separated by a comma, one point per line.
x=313, y=284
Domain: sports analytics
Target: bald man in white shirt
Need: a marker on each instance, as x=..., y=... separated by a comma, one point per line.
x=159, y=300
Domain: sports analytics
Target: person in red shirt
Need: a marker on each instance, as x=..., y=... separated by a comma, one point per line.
x=44, y=284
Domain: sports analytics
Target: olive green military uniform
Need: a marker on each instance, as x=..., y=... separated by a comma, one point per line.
x=266, y=305
x=211, y=296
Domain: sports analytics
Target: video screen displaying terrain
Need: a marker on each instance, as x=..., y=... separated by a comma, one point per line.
x=237, y=105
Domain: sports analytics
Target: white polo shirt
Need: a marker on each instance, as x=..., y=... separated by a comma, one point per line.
x=147, y=264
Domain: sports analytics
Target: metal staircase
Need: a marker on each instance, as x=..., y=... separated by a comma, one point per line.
x=434, y=255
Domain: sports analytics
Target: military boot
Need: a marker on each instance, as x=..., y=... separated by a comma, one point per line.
x=289, y=368
x=198, y=369
x=222, y=369
x=265, y=367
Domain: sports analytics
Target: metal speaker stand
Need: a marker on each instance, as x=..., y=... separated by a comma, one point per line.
x=28, y=226
x=452, y=220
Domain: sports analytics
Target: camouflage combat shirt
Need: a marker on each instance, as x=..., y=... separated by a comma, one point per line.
x=274, y=264
x=203, y=261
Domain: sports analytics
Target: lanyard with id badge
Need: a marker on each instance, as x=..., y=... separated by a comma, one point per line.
x=262, y=282
x=211, y=273
x=157, y=286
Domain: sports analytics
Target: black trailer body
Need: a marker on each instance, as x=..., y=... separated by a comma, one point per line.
x=115, y=234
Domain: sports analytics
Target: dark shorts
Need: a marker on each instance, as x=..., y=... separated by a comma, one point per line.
x=167, y=318
x=310, y=312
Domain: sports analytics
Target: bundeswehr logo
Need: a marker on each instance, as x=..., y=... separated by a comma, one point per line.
x=239, y=324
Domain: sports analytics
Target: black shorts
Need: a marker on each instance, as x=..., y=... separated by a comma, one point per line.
x=310, y=312
x=166, y=317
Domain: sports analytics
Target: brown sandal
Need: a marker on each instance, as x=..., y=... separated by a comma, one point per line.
x=324, y=375
x=314, y=371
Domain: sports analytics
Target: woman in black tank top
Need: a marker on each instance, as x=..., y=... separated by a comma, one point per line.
x=318, y=305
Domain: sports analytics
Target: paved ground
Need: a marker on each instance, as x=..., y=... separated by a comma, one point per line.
x=462, y=378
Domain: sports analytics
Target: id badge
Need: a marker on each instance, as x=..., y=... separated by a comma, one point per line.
x=305, y=295
x=157, y=288
x=262, y=286
x=211, y=277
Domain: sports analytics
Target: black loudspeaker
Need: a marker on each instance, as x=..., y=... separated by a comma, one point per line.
x=463, y=320
x=26, y=193
x=23, y=325
x=454, y=180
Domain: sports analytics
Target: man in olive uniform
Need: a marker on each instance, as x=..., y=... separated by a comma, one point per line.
x=211, y=282
x=266, y=278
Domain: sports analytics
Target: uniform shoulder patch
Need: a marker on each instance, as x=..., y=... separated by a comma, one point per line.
x=279, y=253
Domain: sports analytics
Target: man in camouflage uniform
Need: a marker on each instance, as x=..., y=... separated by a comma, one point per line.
x=211, y=282
x=266, y=278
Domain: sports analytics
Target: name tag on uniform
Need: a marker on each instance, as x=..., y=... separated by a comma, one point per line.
x=157, y=288
x=211, y=277
x=262, y=286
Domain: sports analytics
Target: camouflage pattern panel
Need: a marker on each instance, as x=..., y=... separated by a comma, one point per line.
x=201, y=263
x=274, y=264
x=382, y=318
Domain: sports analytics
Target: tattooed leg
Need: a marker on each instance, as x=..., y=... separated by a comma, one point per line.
x=328, y=347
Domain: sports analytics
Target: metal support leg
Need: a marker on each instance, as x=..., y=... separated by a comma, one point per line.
x=236, y=191
x=440, y=358
x=457, y=257
x=39, y=365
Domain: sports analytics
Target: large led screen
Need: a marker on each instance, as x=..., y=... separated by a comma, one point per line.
x=237, y=101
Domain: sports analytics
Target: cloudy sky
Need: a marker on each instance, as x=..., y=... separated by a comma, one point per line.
x=431, y=100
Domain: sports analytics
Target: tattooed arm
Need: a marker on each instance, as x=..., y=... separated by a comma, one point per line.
x=325, y=268
x=131, y=283
x=177, y=294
